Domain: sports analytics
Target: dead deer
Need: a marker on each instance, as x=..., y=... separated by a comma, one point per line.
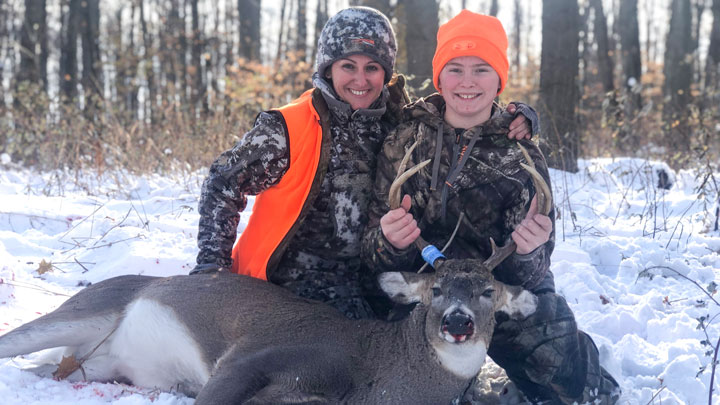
x=232, y=339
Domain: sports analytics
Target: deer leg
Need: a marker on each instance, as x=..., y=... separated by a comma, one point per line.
x=297, y=375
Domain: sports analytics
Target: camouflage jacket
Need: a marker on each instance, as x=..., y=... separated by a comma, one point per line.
x=321, y=260
x=491, y=189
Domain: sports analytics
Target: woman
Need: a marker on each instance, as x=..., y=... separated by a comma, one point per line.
x=476, y=171
x=311, y=164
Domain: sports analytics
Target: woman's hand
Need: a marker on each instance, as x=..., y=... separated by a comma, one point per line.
x=399, y=226
x=519, y=127
x=533, y=231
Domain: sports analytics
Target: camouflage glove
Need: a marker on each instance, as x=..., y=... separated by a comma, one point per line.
x=207, y=268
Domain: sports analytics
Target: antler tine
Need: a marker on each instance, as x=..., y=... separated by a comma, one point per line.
x=544, y=204
x=541, y=187
x=395, y=192
x=394, y=195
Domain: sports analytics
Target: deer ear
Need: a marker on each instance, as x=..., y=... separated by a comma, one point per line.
x=517, y=302
x=404, y=288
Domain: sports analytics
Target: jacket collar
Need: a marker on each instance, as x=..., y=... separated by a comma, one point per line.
x=431, y=109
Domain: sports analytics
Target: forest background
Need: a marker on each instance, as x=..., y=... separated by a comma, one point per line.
x=166, y=85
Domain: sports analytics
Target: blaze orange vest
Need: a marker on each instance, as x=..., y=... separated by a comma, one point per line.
x=278, y=208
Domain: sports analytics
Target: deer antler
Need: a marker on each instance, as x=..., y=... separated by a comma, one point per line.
x=544, y=204
x=395, y=196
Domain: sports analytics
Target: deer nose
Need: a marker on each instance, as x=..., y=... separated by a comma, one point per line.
x=458, y=324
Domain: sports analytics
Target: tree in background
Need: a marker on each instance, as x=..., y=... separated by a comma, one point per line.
x=558, y=83
x=249, y=14
x=631, y=86
x=420, y=39
x=68, y=50
x=33, y=45
x=92, y=76
x=604, y=55
x=678, y=71
x=712, y=66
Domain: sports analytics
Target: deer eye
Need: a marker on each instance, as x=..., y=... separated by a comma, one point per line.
x=436, y=291
x=488, y=293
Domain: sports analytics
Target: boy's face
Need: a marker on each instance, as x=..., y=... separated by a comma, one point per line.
x=468, y=85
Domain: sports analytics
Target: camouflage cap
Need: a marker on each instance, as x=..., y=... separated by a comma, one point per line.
x=357, y=30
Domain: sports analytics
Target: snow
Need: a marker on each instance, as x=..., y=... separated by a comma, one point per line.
x=635, y=262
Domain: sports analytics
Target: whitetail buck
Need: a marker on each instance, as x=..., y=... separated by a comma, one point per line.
x=232, y=339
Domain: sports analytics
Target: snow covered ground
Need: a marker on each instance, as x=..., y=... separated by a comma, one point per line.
x=638, y=265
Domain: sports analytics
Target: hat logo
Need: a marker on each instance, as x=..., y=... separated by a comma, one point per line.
x=461, y=45
x=364, y=41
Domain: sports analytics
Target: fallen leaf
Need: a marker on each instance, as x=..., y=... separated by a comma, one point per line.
x=67, y=366
x=44, y=267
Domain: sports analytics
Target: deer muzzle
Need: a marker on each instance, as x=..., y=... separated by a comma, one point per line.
x=457, y=326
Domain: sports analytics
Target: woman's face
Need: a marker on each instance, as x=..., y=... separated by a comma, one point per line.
x=469, y=86
x=358, y=80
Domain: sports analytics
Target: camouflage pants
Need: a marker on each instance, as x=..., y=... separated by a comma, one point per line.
x=549, y=359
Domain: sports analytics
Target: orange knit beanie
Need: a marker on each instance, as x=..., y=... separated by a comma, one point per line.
x=472, y=34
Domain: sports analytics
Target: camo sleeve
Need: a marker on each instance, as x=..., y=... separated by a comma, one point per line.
x=377, y=252
x=528, y=270
x=257, y=162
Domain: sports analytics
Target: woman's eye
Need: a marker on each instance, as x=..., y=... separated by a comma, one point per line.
x=436, y=292
x=348, y=66
x=372, y=68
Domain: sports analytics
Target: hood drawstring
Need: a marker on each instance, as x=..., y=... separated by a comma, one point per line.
x=436, y=163
x=460, y=157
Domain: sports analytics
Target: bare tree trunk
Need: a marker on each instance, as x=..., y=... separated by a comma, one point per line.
x=321, y=17
x=149, y=69
x=494, y=8
x=229, y=29
x=133, y=64
x=605, y=63
x=92, y=80
x=712, y=67
x=121, y=61
x=517, y=35
x=198, y=87
x=301, y=42
x=558, y=83
x=68, y=52
x=421, y=25
x=169, y=51
x=4, y=18
x=33, y=45
x=696, y=22
x=678, y=77
x=630, y=48
x=249, y=13
x=279, y=53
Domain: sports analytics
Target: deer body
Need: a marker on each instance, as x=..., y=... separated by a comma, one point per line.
x=234, y=339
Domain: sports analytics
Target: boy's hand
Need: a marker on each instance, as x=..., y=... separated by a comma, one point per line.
x=533, y=231
x=519, y=127
x=399, y=226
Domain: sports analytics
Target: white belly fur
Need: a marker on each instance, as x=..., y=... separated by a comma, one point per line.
x=154, y=349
